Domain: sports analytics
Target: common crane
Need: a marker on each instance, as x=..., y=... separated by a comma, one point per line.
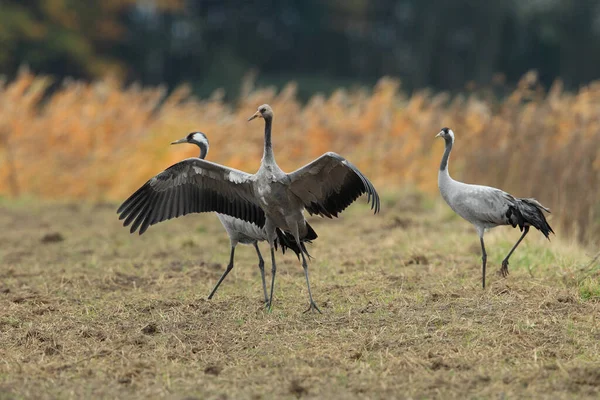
x=325, y=186
x=270, y=198
x=487, y=207
x=239, y=231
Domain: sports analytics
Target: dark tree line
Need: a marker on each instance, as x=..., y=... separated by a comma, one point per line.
x=320, y=43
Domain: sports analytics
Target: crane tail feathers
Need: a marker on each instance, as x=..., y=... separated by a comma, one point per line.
x=287, y=241
x=529, y=211
x=311, y=234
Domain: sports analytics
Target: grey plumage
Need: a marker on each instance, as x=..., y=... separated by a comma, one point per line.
x=189, y=198
x=192, y=185
x=326, y=186
x=270, y=199
x=487, y=207
x=238, y=230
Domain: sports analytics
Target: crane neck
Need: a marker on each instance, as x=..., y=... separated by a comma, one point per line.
x=446, y=156
x=203, y=151
x=203, y=148
x=268, y=156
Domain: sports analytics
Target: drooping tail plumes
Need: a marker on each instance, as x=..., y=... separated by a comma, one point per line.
x=529, y=211
x=286, y=240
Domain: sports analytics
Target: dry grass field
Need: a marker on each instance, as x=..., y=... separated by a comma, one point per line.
x=89, y=311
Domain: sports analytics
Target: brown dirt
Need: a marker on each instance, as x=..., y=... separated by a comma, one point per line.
x=104, y=314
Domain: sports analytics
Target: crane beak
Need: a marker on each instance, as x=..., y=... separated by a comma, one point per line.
x=439, y=134
x=182, y=140
x=257, y=114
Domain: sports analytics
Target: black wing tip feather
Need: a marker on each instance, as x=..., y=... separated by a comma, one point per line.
x=368, y=188
x=375, y=203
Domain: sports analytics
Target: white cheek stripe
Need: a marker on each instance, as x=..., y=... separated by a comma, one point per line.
x=451, y=134
x=200, y=138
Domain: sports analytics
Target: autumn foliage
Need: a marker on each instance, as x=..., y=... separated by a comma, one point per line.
x=101, y=141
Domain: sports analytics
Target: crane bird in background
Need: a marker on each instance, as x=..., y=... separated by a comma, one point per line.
x=269, y=199
x=325, y=186
x=487, y=207
x=195, y=185
x=240, y=231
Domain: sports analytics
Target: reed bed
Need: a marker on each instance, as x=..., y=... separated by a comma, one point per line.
x=100, y=140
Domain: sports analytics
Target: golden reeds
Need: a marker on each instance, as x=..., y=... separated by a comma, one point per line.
x=101, y=141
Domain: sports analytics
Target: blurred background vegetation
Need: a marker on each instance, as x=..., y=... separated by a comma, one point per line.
x=321, y=44
x=94, y=91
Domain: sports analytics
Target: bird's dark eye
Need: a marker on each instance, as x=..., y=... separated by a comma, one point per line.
x=262, y=110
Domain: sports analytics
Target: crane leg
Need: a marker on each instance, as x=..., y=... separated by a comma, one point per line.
x=229, y=268
x=261, y=266
x=273, y=271
x=504, y=269
x=483, y=260
x=312, y=306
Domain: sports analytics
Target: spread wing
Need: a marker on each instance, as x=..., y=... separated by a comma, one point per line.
x=329, y=184
x=192, y=186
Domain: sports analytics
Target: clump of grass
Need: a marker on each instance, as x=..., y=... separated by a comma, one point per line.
x=589, y=289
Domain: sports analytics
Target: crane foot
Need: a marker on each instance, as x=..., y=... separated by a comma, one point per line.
x=313, y=307
x=504, y=269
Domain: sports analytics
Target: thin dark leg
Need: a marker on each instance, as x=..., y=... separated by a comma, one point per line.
x=273, y=270
x=504, y=269
x=229, y=268
x=483, y=259
x=312, y=306
x=261, y=266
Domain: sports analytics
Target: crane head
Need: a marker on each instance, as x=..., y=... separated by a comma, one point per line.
x=264, y=111
x=197, y=138
x=447, y=134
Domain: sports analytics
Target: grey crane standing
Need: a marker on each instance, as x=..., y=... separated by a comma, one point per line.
x=325, y=186
x=487, y=207
x=239, y=231
x=270, y=198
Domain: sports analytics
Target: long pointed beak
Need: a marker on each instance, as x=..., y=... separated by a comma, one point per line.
x=439, y=134
x=255, y=115
x=182, y=140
